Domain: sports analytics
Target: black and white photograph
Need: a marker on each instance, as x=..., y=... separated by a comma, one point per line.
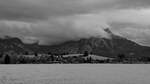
x=74, y=41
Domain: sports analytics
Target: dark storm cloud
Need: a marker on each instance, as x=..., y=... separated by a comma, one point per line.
x=42, y=9
x=17, y=10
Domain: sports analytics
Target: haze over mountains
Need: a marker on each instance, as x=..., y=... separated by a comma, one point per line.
x=97, y=45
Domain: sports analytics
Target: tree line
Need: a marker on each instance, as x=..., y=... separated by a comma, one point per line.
x=59, y=58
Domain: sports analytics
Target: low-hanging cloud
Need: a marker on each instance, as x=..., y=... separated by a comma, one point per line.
x=55, y=21
x=52, y=31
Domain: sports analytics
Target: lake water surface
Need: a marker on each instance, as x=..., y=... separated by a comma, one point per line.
x=75, y=74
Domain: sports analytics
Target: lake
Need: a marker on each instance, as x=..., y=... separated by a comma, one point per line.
x=75, y=74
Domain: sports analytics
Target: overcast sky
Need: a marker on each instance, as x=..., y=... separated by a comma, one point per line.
x=53, y=21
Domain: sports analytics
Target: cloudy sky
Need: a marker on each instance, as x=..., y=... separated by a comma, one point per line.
x=54, y=21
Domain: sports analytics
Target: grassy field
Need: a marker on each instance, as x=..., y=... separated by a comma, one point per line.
x=75, y=74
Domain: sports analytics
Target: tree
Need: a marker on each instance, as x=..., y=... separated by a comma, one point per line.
x=35, y=54
x=1, y=55
x=49, y=53
x=89, y=59
x=26, y=53
x=121, y=57
x=7, y=59
x=52, y=58
x=86, y=53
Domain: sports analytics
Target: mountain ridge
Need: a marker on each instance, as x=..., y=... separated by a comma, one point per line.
x=96, y=45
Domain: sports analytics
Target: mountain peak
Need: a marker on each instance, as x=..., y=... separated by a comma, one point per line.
x=113, y=35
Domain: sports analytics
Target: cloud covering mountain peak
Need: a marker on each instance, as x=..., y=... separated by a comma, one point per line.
x=55, y=21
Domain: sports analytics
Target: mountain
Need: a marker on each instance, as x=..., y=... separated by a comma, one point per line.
x=104, y=46
x=15, y=44
x=100, y=46
x=9, y=43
